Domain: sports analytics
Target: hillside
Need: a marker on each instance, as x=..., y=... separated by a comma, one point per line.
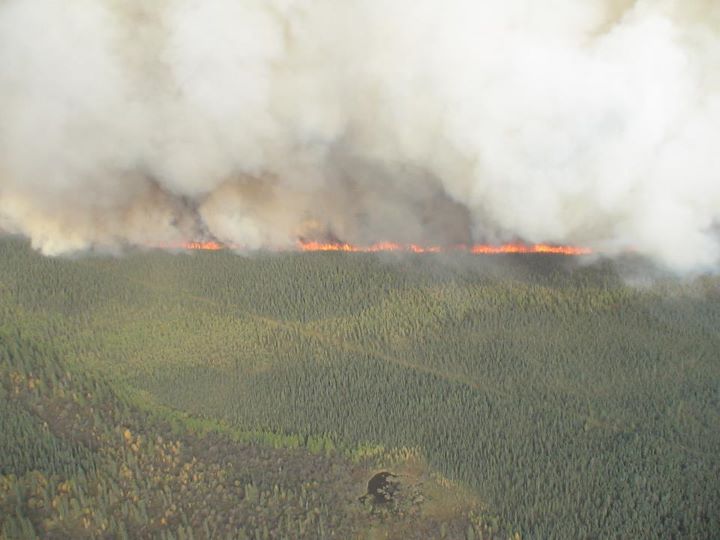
x=215, y=392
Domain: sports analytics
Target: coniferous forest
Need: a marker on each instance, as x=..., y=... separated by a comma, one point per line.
x=217, y=395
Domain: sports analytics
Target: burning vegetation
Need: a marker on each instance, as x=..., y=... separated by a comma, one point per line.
x=381, y=247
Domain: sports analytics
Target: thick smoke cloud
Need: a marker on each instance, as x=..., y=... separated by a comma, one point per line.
x=255, y=122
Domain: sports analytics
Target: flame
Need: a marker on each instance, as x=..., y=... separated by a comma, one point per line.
x=207, y=246
x=533, y=248
x=477, y=249
x=194, y=245
x=382, y=247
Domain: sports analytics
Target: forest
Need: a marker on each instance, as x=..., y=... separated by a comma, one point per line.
x=225, y=395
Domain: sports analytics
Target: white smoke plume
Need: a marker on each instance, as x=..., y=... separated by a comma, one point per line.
x=254, y=122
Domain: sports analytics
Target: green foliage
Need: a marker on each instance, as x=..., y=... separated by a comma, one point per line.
x=573, y=404
x=81, y=461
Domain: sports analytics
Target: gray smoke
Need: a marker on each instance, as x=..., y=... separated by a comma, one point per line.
x=254, y=122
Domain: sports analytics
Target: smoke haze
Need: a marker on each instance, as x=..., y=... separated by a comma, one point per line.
x=594, y=123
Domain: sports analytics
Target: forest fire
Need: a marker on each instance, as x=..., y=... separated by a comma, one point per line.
x=533, y=248
x=207, y=246
x=382, y=247
x=476, y=249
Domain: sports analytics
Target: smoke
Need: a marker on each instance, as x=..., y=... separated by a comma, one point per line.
x=255, y=122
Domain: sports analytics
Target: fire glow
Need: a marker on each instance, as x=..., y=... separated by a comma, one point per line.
x=206, y=246
x=476, y=249
x=383, y=247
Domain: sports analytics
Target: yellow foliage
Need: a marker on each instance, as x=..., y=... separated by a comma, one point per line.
x=125, y=472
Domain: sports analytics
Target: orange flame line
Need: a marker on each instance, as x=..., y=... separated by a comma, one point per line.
x=381, y=247
x=208, y=246
x=477, y=249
